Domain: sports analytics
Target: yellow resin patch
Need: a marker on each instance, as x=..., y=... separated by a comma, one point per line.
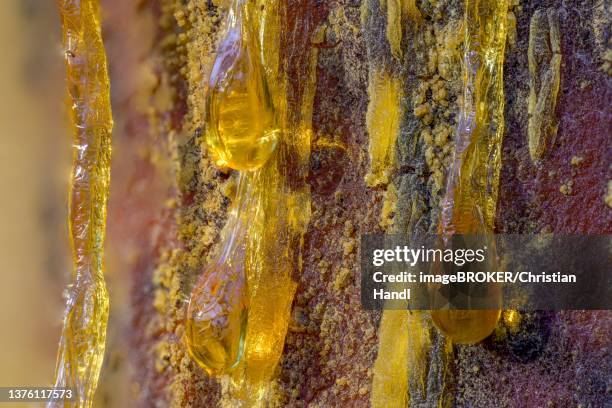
x=471, y=198
x=242, y=128
x=81, y=348
x=383, y=123
x=272, y=205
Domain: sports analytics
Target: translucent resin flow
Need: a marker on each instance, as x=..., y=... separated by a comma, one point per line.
x=217, y=316
x=242, y=128
x=81, y=348
x=473, y=182
x=469, y=326
x=217, y=312
x=280, y=210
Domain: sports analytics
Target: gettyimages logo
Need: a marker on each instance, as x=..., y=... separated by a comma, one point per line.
x=479, y=272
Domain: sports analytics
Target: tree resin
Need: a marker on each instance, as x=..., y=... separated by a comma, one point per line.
x=217, y=313
x=81, y=348
x=483, y=299
x=473, y=182
x=242, y=125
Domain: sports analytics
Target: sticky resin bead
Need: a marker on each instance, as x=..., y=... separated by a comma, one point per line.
x=216, y=320
x=466, y=326
x=474, y=325
x=242, y=129
x=470, y=202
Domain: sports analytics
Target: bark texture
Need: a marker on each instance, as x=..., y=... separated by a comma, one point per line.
x=169, y=202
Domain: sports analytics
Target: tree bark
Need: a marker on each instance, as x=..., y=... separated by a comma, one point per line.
x=169, y=201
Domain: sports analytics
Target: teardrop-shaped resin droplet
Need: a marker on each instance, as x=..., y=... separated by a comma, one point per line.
x=242, y=127
x=217, y=316
x=472, y=326
x=466, y=326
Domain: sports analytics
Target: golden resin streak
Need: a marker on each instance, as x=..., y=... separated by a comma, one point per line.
x=390, y=381
x=404, y=341
x=242, y=133
x=217, y=314
x=471, y=198
x=406, y=361
x=272, y=205
x=473, y=180
x=383, y=122
x=81, y=348
x=397, y=12
x=280, y=220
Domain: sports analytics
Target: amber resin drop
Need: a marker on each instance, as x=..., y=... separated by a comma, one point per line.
x=216, y=321
x=474, y=325
x=470, y=203
x=242, y=126
x=216, y=318
x=466, y=326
